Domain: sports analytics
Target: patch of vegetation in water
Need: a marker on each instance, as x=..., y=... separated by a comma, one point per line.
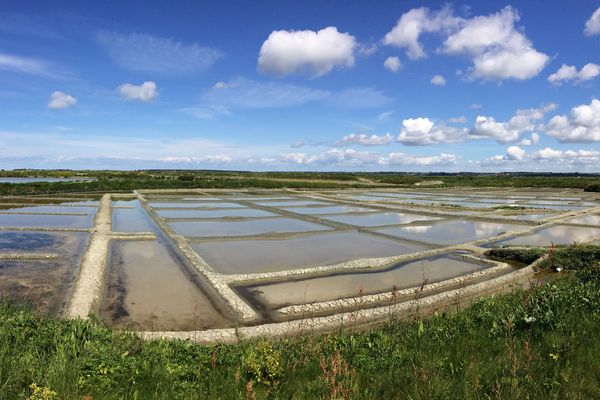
x=535, y=343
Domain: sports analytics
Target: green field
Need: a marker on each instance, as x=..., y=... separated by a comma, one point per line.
x=115, y=181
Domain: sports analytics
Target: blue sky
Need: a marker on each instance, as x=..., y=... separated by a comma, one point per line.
x=301, y=85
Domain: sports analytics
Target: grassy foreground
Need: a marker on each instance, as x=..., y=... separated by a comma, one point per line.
x=538, y=343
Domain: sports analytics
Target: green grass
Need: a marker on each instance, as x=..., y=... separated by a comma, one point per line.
x=538, y=343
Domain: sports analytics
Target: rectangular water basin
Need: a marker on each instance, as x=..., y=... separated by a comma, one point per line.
x=132, y=220
x=327, y=210
x=376, y=219
x=450, y=232
x=183, y=204
x=344, y=285
x=44, y=285
x=585, y=220
x=244, y=228
x=241, y=212
x=149, y=289
x=52, y=209
x=292, y=203
x=248, y=256
x=46, y=221
x=558, y=234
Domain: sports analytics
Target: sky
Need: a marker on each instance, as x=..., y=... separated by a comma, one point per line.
x=301, y=85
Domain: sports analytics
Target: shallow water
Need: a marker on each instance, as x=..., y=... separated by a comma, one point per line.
x=241, y=212
x=292, y=203
x=46, y=221
x=450, y=232
x=243, y=228
x=183, y=204
x=558, y=234
x=45, y=285
x=585, y=220
x=411, y=274
x=50, y=209
x=376, y=219
x=326, y=210
x=147, y=289
x=246, y=256
x=132, y=220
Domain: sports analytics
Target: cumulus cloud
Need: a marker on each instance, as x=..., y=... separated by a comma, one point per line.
x=592, y=25
x=316, y=53
x=366, y=140
x=498, y=49
x=146, y=92
x=515, y=153
x=524, y=120
x=569, y=73
x=535, y=139
x=413, y=23
x=250, y=94
x=142, y=52
x=545, y=159
x=392, y=63
x=423, y=131
x=60, y=100
x=438, y=80
x=582, y=126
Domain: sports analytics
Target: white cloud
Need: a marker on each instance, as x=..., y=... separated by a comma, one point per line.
x=392, y=63
x=366, y=140
x=142, y=52
x=317, y=53
x=28, y=65
x=385, y=116
x=413, y=23
x=497, y=48
x=592, y=25
x=515, y=153
x=246, y=93
x=350, y=157
x=208, y=159
x=475, y=106
x=60, y=100
x=547, y=159
x=458, y=120
x=146, y=92
x=535, y=139
x=423, y=131
x=583, y=126
x=524, y=120
x=411, y=159
x=569, y=73
x=438, y=80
